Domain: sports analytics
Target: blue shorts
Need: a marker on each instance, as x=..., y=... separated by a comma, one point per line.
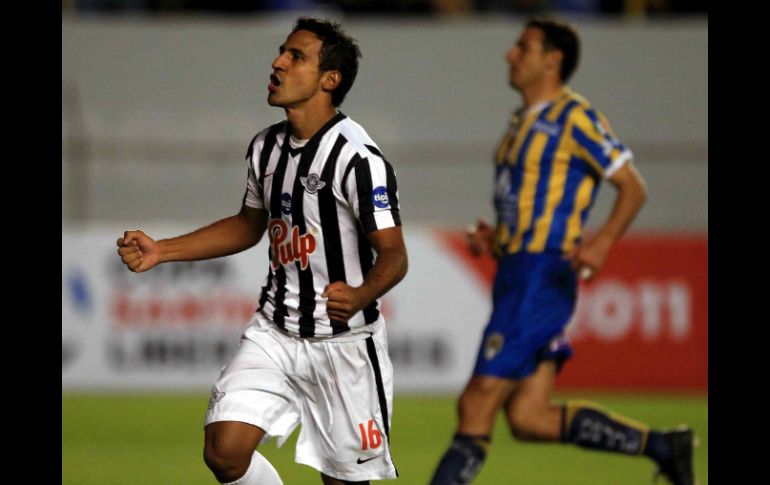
x=533, y=296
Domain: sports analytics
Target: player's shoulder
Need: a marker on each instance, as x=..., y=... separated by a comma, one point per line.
x=583, y=111
x=580, y=104
x=358, y=140
x=274, y=128
x=258, y=140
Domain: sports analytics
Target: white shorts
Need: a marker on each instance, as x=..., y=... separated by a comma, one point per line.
x=340, y=390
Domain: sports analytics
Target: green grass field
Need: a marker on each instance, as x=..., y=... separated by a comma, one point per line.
x=158, y=439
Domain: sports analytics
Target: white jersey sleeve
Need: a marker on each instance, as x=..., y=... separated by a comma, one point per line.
x=372, y=193
x=254, y=197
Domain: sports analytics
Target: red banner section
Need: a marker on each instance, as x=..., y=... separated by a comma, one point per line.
x=642, y=324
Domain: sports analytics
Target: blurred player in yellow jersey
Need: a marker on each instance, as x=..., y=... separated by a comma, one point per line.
x=549, y=167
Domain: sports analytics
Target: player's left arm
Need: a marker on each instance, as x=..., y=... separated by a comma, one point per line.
x=391, y=266
x=588, y=258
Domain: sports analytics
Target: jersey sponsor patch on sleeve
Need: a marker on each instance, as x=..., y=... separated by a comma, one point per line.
x=380, y=197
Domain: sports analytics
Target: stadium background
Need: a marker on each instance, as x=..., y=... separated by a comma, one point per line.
x=157, y=109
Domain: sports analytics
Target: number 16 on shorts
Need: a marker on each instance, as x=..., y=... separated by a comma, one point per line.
x=370, y=436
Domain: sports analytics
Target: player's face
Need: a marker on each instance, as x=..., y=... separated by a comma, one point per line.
x=296, y=77
x=528, y=59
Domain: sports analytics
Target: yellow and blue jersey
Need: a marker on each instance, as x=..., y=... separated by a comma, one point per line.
x=549, y=166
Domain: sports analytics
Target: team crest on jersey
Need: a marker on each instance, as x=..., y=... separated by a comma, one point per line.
x=312, y=183
x=288, y=245
x=493, y=345
x=380, y=197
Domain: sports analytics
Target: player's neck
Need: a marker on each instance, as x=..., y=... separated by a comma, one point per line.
x=541, y=93
x=306, y=121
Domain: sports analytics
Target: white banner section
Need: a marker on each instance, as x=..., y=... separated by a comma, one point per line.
x=174, y=327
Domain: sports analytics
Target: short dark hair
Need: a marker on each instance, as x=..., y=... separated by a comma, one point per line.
x=339, y=52
x=560, y=35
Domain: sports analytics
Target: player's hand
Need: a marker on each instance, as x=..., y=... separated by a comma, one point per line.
x=588, y=258
x=343, y=301
x=138, y=251
x=480, y=238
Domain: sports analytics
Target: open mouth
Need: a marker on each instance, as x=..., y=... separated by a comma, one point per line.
x=274, y=83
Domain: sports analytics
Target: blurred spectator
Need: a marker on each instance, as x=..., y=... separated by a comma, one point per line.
x=385, y=6
x=113, y=5
x=518, y=6
x=253, y=5
x=677, y=6
x=641, y=7
x=576, y=6
x=525, y=7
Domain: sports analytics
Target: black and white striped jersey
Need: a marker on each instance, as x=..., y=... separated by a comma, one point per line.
x=322, y=198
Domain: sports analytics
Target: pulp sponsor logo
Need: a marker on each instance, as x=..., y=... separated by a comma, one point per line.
x=380, y=197
x=288, y=245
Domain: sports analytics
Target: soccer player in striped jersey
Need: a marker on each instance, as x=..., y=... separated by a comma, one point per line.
x=315, y=352
x=549, y=166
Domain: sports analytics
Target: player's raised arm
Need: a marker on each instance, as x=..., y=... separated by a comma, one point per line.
x=589, y=257
x=390, y=268
x=139, y=252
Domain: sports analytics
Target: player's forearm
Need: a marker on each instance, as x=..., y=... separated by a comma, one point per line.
x=222, y=238
x=390, y=268
x=632, y=194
